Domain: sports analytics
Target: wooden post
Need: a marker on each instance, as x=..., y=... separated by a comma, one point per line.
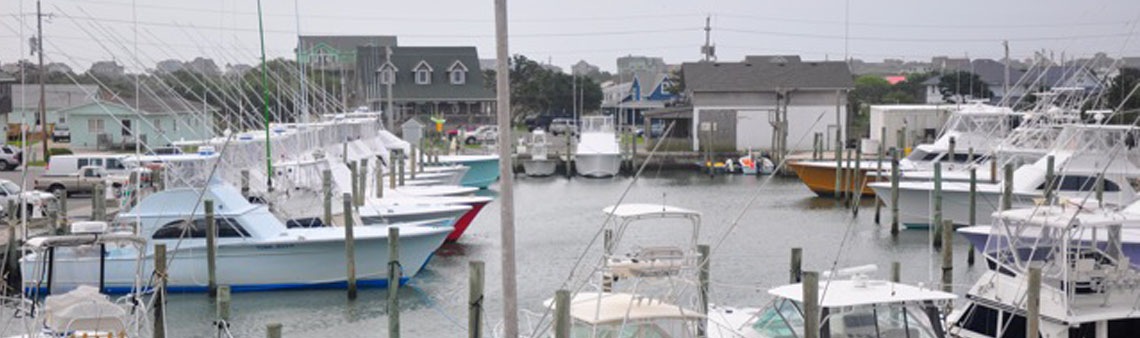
x=607, y=242
x=562, y=313
x=703, y=280
x=839, y=171
x=99, y=203
x=349, y=248
x=223, y=309
x=61, y=200
x=354, y=180
x=394, y=277
x=392, y=169
x=972, y=211
x=900, y=139
x=633, y=151
x=273, y=330
x=326, y=191
x=379, y=173
x=160, y=292
x=857, y=182
x=811, y=304
x=879, y=175
x=896, y=271
x=363, y=190
x=159, y=179
x=14, y=215
x=1033, y=304
x=993, y=170
x=475, y=300
x=400, y=167
x=895, y=191
x=1100, y=189
x=797, y=265
x=211, y=249
x=936, y=224
x=1050, y=179
x=245, y=182
x=950, y=150
x=1007, y=191
x=948, y=256
x=412, y=163
x=133, y=184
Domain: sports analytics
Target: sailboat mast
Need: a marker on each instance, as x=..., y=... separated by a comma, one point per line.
x=265, y=100
x=507, y=194
x=304, y=111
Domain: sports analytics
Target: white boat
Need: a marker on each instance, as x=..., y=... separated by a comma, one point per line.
x=1087, y=288
x=855, y=307
x=255, y=250
x=1082, y=152
x=539, y=165
x=597, y=153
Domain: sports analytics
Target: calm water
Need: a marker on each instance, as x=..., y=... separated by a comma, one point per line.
x=556, y=218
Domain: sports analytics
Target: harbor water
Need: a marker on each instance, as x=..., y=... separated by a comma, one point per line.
x=556, y=218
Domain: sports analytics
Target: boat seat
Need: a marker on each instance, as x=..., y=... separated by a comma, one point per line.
x=649, y=262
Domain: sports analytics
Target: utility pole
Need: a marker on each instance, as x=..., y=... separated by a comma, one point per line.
x=392, y=73
x=1005, y=80
x=708, y=50
x=43, y=76
x=507, y=194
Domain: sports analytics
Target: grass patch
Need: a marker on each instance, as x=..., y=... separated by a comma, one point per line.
x=36, y=164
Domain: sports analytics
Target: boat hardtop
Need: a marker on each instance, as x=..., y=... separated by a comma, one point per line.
x=860, y=292
x=639, y=210
x=600, y=308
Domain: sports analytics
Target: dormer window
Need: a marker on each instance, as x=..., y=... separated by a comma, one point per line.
x=457, y=73
x=423, y=73
x=387, y=74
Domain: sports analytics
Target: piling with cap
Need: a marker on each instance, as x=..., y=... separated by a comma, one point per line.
x=811, y=309
x=211, y=249
x=394, y=277
x=562, y=313
x=349, y=248
x=797, y=265
x=475, y=300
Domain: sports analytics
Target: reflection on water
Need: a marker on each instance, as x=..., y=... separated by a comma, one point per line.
x=555, y=219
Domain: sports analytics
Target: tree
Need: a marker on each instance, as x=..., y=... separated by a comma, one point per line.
x=676, y=85
x=537, y=90
x=961, y=85
x=1121, y=87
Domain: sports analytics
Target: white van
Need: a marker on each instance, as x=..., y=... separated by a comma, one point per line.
x=60, y=165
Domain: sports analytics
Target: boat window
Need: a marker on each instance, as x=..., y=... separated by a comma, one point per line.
x=11, y=188
x=227, y=228
x=1081, y=183
x=1123, y=327
x=882, y=321
x=919, y=155
x=781, y=320
x=984, y=320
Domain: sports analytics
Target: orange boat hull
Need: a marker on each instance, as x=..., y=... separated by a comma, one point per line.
x=821, y=180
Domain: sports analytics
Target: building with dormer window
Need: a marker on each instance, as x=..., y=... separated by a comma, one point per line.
x=425, y=81
x=336, y=54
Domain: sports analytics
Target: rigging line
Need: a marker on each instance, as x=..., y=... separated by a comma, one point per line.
x=920, y=25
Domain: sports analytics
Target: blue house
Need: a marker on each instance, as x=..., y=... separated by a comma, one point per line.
x=628, y=100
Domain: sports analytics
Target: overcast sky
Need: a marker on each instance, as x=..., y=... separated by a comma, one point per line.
x=597, y=31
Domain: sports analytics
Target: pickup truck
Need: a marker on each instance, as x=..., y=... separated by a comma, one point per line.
x=35, y=202
x=82, y=181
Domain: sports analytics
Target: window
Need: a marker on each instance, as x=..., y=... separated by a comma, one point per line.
x=115, y=164
x=423, y=76
x=1081, y=183
x=387, y=76
x=458, y=77
x=126, y=128
x=322, y=58
x=82, y=162
x=227, y=228
x=95, y=126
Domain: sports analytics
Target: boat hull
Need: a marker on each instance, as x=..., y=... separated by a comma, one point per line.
x=464, y=221
x=483, y=170
x=539, y=168
x=254, y=266
x=597, y=165
x=916, y=205
x=821, y=179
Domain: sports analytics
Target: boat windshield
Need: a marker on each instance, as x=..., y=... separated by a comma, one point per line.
x=785, y=320
x=597, y=124
x=919, y=155
x=11, y=188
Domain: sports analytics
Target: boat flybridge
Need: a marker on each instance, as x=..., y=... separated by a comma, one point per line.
x=978, y=126
x=1088, y=288
x=539, y=164
x=1083, y=155
x=852, y=306
x=598, y=153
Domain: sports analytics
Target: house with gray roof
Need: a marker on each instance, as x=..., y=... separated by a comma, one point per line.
x=742, y=97
x=26, y=101
x=425, y=81
x=1021, y=80
x=338, y=54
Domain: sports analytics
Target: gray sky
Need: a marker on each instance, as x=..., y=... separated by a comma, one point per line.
x=597, y=31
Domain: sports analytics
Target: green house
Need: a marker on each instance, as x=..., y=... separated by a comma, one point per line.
x=105, y=125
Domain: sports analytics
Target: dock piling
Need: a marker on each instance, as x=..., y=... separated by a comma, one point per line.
x=98, y=203
x=349, y=248
x=811, y=304
x=948, y=256
x=1050, y=179
x=160, y=291
x=879, y=175
x=362, y=190
x=412, y=164
x=1007, y=188
x=1100, y=189
x=896, y=271
x=245, y=182
x=895, y=191
x=211, y=249
x=223, y=309
x=703, y=280
x=273, y=330
x=562, y=313
x=400, y=167
x=1033, y=303
x=857, y=183
x=936, y=225
x=973, y=207
x=354, y=180
x=394, y=277
x=61, y=200
x=839, y=172
x=392, y=169
x=326, y=191
x=475, y=300
x=607, y=242
x=797, y=265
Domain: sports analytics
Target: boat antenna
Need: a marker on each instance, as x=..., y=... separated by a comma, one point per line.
x=265, y=101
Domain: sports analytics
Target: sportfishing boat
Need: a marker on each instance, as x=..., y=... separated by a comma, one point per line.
x=597, y=153
x=1082, y=153
x=976, y=126
x=538, y=165
x=256, y=251
x=1087, y=288
x=855, y=307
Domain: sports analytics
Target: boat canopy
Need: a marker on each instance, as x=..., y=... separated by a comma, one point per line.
x=846, y=293
x=640, y=210
x=1071, y=217
x=609, y=308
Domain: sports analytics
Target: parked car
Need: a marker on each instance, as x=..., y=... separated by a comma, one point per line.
x=35, y=202
x=81, y=181
x=563, y=126
x=11, y=157
x=70, y=164
x=61, y=133
x=482, y=134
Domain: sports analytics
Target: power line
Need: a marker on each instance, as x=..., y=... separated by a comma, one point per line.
x=923, y=39
x=925, y=25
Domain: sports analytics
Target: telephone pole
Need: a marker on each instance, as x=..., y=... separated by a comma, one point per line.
x=43, y=76
x=708, y=49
